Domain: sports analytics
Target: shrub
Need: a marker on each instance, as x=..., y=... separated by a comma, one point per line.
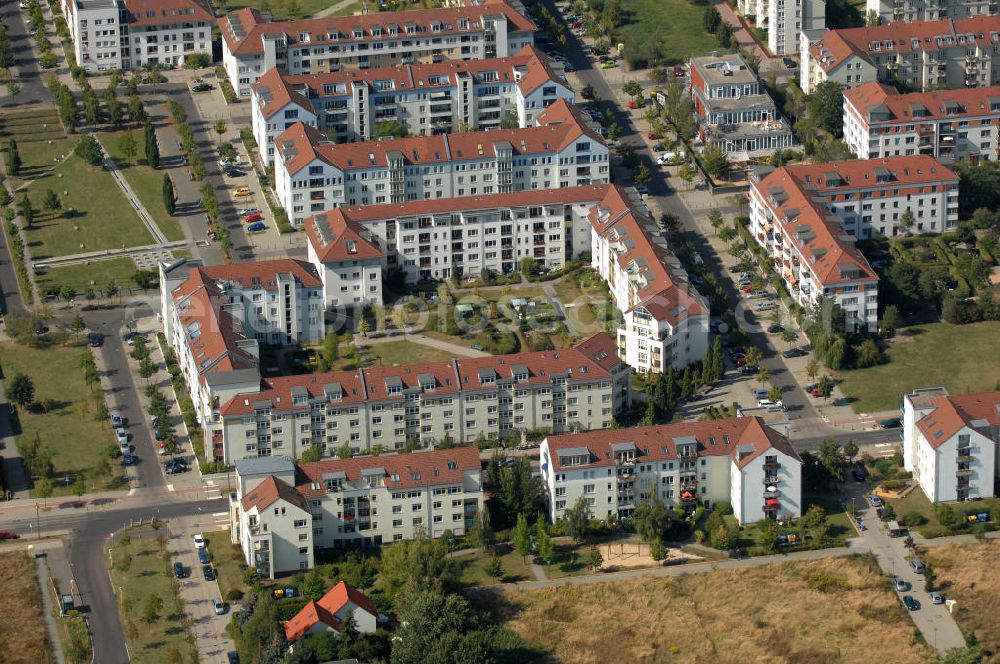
x=89, y=150
x=197, y=61
x=234, y=595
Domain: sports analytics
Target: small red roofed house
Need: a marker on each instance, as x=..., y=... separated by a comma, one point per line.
x=330, y=612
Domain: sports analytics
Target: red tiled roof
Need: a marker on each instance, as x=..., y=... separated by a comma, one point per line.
x=270, y=491
x=261, y=274
x=742, y=438
x=243, y=29
x=916, y=36
x=276, y=88
x=402, y=471
x=558, y=126
x=665, y=294
x=341, y=594
x=871, y=96
x=827, y=250
x=602, y=349
x=166, y=12
x=310, y=615
x=371, y=384
x=952, y=413
x=861, y=173
x=334, y=238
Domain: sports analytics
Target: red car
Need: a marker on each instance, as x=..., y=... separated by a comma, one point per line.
x=6, y=535
x=250, y=218
x=633, y=104
x=653, y=136
x=679, y=71
x=740, y=361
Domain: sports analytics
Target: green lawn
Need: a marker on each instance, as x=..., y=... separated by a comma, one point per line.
x=228, y=562
x=280, y=7
x=146, y=182
x=142, y=568
x=406, y=352
x=72, y=433
x=96, y=274
x=40, y=138
x=677, y=24
x=916, y=502
x=962, y=358
x=472, y=569
x=94, y=215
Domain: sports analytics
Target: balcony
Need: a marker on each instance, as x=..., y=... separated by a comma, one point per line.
x=770, y=479
x=772, y=465
x=963, y=472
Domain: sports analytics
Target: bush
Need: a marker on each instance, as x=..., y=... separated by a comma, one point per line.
x=89, y=150
x=234, y=595
x=197, y=61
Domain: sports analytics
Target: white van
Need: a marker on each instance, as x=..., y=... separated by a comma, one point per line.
x=767, y=403
x=672, y=158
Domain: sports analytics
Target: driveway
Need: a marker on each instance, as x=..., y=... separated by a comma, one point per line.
x=208, y=628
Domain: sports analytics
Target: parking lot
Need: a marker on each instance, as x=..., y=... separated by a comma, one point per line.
x=199, y=595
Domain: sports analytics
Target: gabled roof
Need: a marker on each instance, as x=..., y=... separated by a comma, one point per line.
x=871, y=173
x=269, y=492
x=342, y=593
x=334, y=238
x=980, y=411
x=325, y=610
x=167, y=12
x=922, y=106
x=741, y=438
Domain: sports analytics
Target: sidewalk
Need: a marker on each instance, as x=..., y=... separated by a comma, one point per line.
x=49, y=607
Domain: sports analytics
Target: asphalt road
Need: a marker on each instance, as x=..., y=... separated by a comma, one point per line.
x=25, y=69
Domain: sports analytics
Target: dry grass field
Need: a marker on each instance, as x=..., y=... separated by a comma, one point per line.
x=967, y=573
x=817, y=612
x=23, y=637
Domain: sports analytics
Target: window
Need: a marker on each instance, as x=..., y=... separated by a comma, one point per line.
x=299, y=523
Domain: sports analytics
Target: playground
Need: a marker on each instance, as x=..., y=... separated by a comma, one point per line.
x=633, y=553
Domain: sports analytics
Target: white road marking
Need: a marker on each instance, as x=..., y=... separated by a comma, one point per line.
x=132, y=492
x=220, y=514
x=170, y=487
x=883, y=444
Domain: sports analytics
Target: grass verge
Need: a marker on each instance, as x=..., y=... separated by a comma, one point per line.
x=96, y=274
x=23, y=636
x=393, y=353
x=141, y=572
x=65, y=423
x=675, y=24
x=228, y=562
x=831, y=610
x=965, y=360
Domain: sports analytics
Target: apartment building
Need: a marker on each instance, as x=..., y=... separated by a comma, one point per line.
x=923, y=55
x=282, y=512
x=947, y=125
x=784, y=20
x=214, y=318
x=253, y=44
x=950, y=443
x=739, y=460
x=460, y=400
x=809, y=245
x=665, y=318
x=130, y=34
x=450, y=237
x=733, y=109
x=313, y=174
x=907, y=11
x=427, y=99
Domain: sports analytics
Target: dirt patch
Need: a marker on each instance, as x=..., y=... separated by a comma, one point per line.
x=23, y=636
x=622, y=555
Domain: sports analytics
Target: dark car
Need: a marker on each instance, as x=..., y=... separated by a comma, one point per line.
x=891, y=423
x=208, y=572
x=202, y=87
x=180, y=571
x=858, y=473
x=748, y=370
x=95, y=339
x=234, y=657
x=203, y=557
x=775, y=329
x=911, y=603
x=795, y=352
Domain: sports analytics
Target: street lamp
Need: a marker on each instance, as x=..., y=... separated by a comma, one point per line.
x=38, y=523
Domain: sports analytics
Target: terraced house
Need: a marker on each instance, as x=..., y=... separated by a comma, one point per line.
x=459, y=400
x=425, y=98
x=809, y=245
x=313, y=174
x=131, y=34
x=923, y=55
x=948, y=125
x=282, y=513
x=253, y=44
x=739, y=460
x=216, y=317
x=950, y=443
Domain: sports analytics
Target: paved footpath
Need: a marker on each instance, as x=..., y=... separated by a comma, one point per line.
x=49, y=608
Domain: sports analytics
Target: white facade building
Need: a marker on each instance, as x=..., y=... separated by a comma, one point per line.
x=282, y=513
x=947, y=124
x=130, y=34
x=784, y=20
x=907, y=11
x=426, y=99
x=666, y=319
x=253, y=45
x=950, y=443
x=314, y=175
x=739, y=460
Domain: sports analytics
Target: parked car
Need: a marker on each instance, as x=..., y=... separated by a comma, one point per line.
x=179, y=571
x=609, y=64
x=208, y=572
x=173, y=469
x=875, y=501
x=658, y=147
x=242, y=191
x=257, y=227
x=911, y=603
x=633, y=104
x=755, y=294
x=220, y=606
x=202, y=87
x=95, y=339
x=679, y=71
x=774, y=328
x=767, y=403
x=917, y=566
x=8, y=535
x=901, y=585
x=765, y=306
x=671, y=158
x=203, y=557
x=859, y=474
x=936, y=598
x=234, y=172
x=891, y=423
x=116, y=419
x=250, y=218
x=760, y=394
x=122, y=436
x=199, y=541
x=233, y=657
x=128, y=459
x=747, y=370
x=795, y=352
x=251, y=210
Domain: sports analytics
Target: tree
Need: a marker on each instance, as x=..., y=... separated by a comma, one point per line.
x=812, y=368
x=78, y=325
x=481, y=534
x=657, y=551
x=113, y=107
x=907, y=221
x=25, y=209
x=652, y=519
x=20, y=390
x=715, y=218
x=521, y=536
x=312, y=453
x=13, y=158
x=724, y=539
x=313, y=587
x=136, y=111
x=169, y=199
x=152, y=149
x=826, y=107
x=390, y=129
x=220, y=128
x=50, y=201
x=642, y=175
x=825, y=387
x=814, y=517
x=930, y=578
x=510, y=120
x=577, y=519
x=43, y=489
x=890, y=320
x=345, y=451
x=79, y=486
x=89, y=150
x=832, y=458
x=763, y=375
x=687, y=173
x=546, y=550
x=767, y=538
x=364, y=327
x=495, y=567
x=850, y=450
x=614, y=132
x=710, y=20
x=715, y=162
x=632, y=88
x=774, y=393
x=594, y=559
x=151, y=610
x=872, y=19
x=754, y=356
x=127, y=146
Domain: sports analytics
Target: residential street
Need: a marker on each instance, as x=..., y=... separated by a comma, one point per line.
x=25, y=70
